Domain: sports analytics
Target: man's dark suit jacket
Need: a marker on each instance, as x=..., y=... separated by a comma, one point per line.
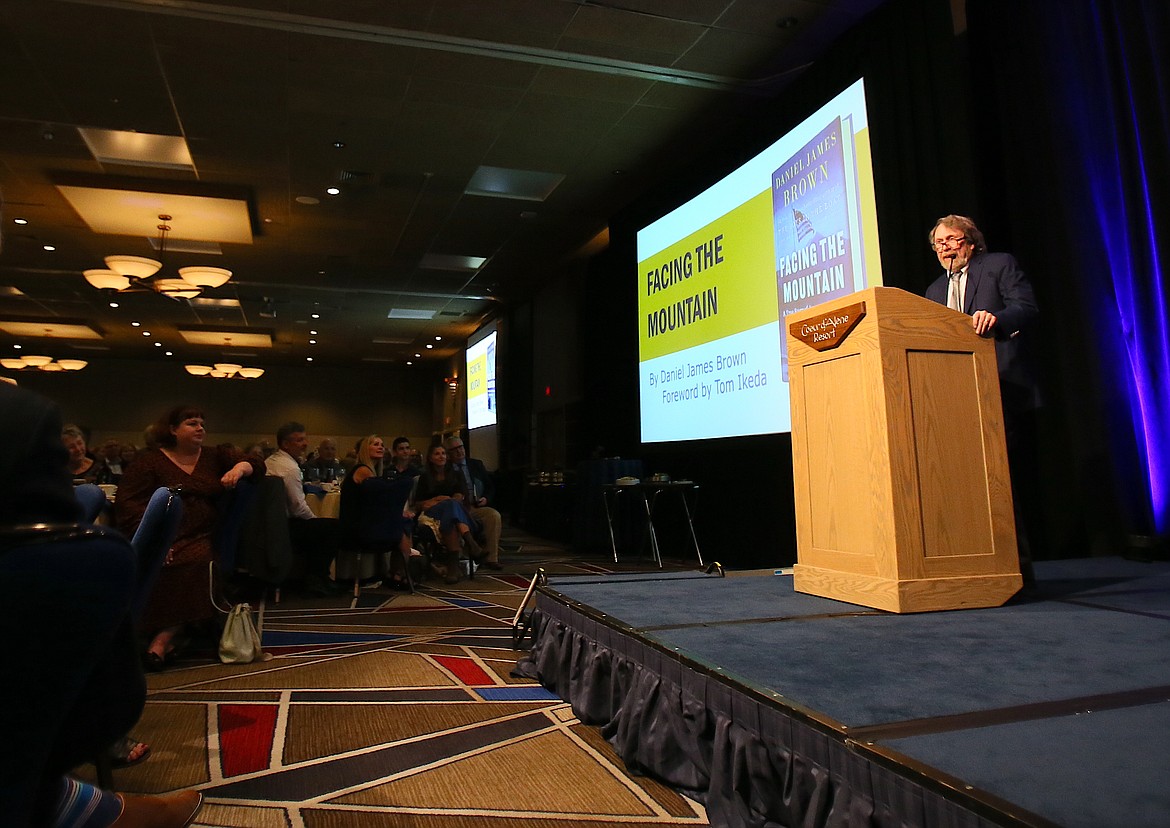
x=484, y=483
x=996, y=284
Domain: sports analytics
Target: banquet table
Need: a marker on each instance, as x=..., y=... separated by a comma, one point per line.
x=327, y=505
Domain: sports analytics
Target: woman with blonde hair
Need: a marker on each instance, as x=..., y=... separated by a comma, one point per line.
x=373, y=509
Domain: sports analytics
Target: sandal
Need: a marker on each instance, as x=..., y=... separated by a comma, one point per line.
x=127, y=751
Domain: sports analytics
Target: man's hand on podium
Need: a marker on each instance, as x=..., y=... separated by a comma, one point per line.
x=983, y=321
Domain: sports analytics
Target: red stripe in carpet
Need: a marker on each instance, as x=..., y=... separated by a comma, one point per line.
x=466, y=670
x=245, y=737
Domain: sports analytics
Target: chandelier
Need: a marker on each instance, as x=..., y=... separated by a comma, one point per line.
x=224, y=370
x=134, y=274
x=42, y=363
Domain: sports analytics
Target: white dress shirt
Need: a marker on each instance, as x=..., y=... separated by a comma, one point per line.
x=283, y=465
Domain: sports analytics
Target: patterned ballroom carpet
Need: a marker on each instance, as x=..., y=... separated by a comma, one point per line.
x=400, y=711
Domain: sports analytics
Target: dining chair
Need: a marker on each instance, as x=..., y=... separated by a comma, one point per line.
x=252, y=540
x=84, y=576
x=152, y=540
x=92, y=501
x=389, y=497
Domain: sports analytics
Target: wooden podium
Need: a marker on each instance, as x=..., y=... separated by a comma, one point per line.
x=903, y=499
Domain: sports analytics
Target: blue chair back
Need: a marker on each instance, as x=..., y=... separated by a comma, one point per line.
x=264, y=547
x=152, y=540
x=233, y=510
x=92, y=500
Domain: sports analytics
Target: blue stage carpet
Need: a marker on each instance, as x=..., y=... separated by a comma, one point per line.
x=1053, y=706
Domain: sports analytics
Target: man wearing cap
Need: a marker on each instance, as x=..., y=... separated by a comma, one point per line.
x=478, y=483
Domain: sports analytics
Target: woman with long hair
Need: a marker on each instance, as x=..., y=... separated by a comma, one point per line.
x=439, y=493
x=373, y=509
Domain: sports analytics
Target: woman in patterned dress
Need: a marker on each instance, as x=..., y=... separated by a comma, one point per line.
x=181, y=595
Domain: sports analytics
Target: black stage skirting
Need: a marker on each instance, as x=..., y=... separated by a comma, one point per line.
x=776, y=708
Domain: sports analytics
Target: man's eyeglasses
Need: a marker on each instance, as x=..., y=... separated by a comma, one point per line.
x=943, y=244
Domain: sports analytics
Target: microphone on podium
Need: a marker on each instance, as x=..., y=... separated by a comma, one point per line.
x=954, y=301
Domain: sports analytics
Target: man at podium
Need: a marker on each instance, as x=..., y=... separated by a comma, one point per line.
x=993, y=290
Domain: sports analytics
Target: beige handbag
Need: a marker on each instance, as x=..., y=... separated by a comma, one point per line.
x=240, y=642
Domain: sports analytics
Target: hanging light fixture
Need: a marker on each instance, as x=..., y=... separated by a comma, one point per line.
x=130, y=274
x=224, y=370
x=42, y=363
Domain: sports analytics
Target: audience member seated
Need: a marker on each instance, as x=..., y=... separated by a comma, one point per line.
x=258, y=451
x=80, y=685
x=373, y=514
x=82, y=465
x=439, y=493
x=400, y=465
x=181, y=596
x=312, y=537
x=478, y=483
x=325, y=465
x=111, y=459
x=128, y=453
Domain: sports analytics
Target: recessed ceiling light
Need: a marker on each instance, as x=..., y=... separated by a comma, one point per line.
x=315, y=315
x=308, y=359
x=438, y=339
x=339, y=144
x=501, y=182
x=333, y=191
x=312, y=342
x=136, y=324
x=446, y=261
x=312, y=333
x=418, y=356
x=55, y=329
x=146, y=333
x=19, y=221
x=158, y=344
x=50, y=248
x=408, y=362
x=18, y=347
x=232, y=338
x=114, y=305
x=170, y=353
x=138, y=149
x=430, y=345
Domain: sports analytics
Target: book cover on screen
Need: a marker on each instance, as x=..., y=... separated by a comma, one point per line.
x=817, y=226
